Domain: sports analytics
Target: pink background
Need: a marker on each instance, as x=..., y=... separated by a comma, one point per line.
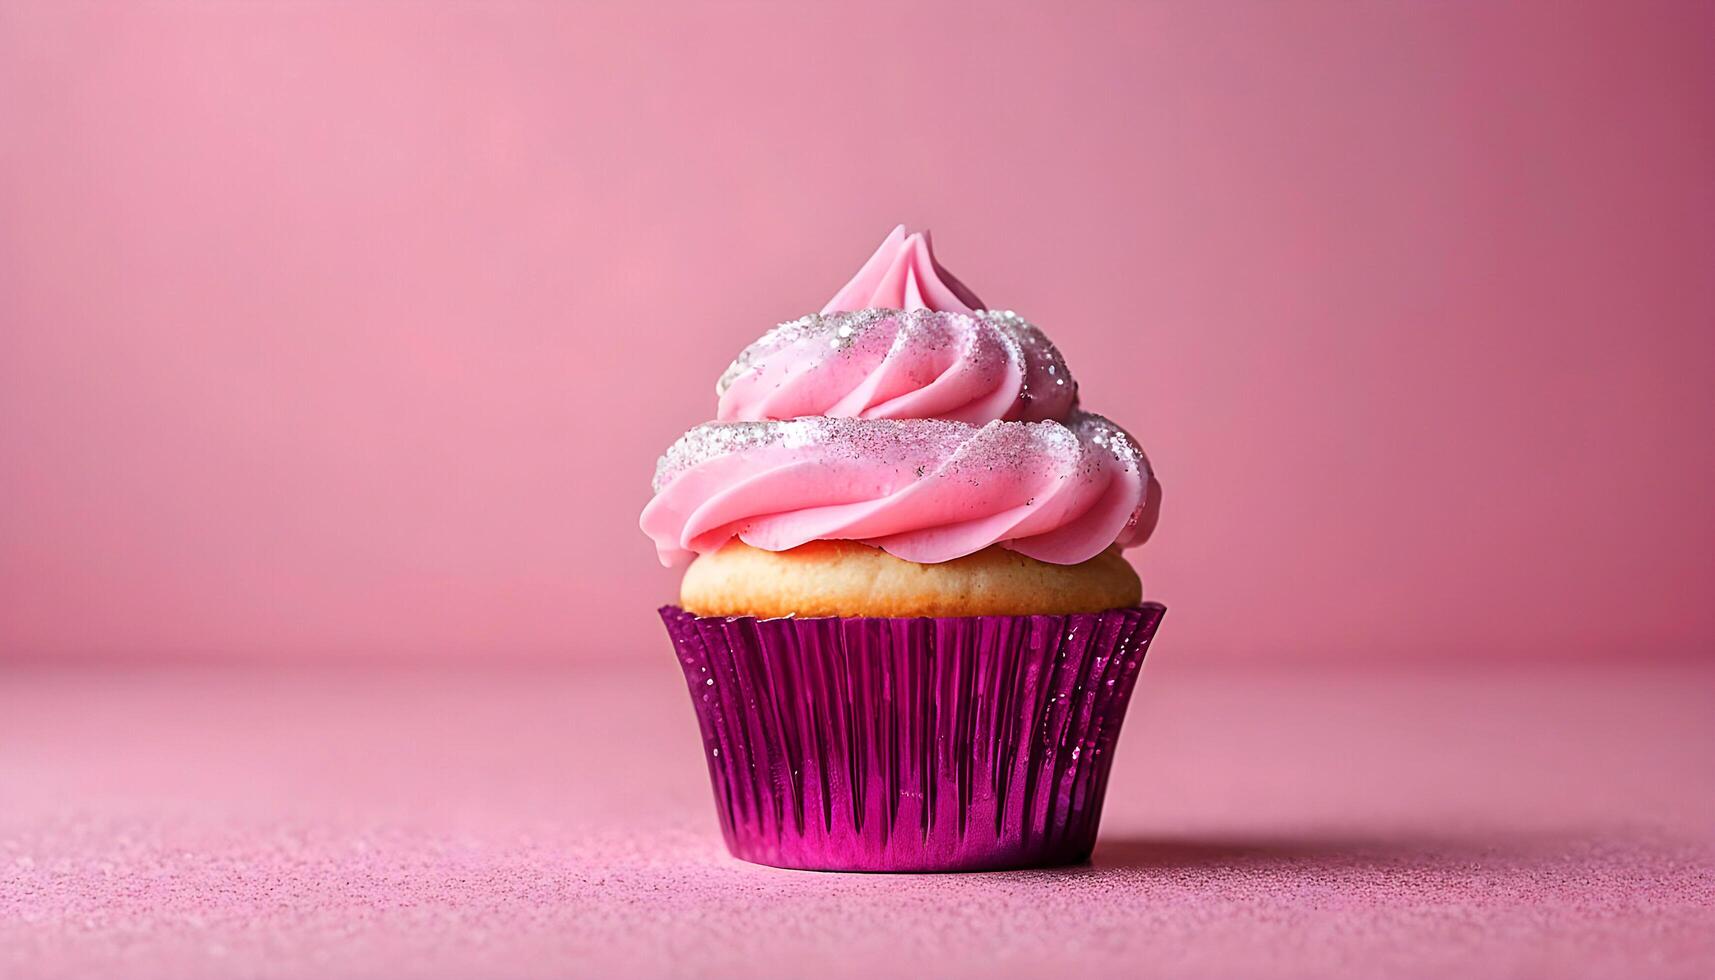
x=353, y=330
x=338, y=333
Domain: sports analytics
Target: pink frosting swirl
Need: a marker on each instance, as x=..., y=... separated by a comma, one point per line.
x=920, y=489
x=908, y=417
x=903, y=275
x=892, y=364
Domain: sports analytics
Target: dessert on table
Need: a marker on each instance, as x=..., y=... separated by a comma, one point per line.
x=907, y=628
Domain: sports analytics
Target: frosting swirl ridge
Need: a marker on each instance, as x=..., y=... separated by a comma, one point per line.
x=879, y=364
x=925, y=490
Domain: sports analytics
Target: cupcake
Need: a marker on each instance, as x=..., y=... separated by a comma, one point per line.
x=906, y=625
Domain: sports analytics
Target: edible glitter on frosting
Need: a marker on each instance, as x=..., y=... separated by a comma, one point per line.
x=926, y=490
x=968, y=367
x=915, y=421
x=904, y=443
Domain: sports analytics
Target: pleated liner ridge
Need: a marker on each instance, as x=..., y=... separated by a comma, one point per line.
x=954, y=744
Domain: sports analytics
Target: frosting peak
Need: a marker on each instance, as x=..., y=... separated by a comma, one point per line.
x=903, y=275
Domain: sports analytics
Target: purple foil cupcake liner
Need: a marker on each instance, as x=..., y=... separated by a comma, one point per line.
x=958, y=744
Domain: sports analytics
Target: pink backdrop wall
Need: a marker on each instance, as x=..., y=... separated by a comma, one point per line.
x=354, y=330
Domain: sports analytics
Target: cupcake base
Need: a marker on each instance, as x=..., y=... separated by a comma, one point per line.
x=955, y=744
x=850, y=578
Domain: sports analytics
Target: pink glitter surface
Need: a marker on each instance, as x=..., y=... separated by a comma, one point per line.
x=215, y=822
